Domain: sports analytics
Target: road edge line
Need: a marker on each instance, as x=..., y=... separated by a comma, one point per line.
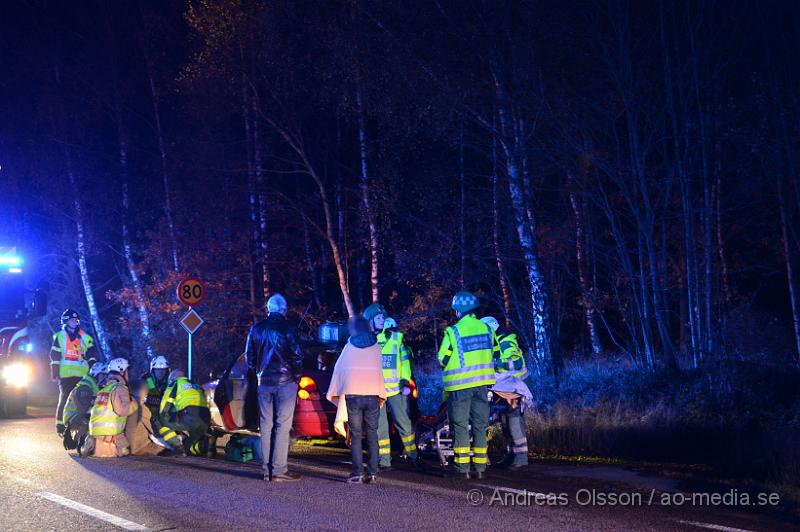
x=93, y=512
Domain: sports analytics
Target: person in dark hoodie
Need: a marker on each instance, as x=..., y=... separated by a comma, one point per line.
x=358, y=379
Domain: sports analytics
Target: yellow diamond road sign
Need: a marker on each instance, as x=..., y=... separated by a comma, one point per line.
x=191, y=321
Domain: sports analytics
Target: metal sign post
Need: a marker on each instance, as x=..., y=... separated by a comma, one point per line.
x=191, y=321
x=191, y=291
x=190, y=356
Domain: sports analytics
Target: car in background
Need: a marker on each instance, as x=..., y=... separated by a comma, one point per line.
x=233, y=400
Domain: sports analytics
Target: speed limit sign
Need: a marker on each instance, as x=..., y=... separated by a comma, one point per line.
x=191, y=291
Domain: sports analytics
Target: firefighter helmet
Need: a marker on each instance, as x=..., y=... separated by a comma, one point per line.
x=68, y=315
x=98, y=368
x=118, y=365
x=159, y=362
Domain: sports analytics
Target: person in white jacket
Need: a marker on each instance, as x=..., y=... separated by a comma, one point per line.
x=358, y=389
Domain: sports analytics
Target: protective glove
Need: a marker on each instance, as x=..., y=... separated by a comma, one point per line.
x=54, y=372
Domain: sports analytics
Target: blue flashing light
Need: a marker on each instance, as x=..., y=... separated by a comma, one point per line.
x=15, y=270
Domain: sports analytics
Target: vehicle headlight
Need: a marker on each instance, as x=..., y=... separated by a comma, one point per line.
x=17, y=375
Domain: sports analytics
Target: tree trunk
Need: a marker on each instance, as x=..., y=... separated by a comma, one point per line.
x=462, y=202
x=127, y=249
x=312, y=271
x=365, y=195
x=526, y=232
x=498, y=255
x=162, y=149
x=144, y=316
x=791, y=270
x=263, y=242
x=586, y=296
x=256, y=265
x=691, y=296
x=80, y=246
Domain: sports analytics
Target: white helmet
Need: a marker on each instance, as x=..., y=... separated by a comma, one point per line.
x=118, y=365
x=491, y=322
x=97, y=368
x=159, y=362
x=389, y=323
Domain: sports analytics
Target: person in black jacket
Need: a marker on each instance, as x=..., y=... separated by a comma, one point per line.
x=274, y=353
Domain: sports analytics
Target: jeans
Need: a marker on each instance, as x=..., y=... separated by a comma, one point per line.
x=65, y=385
x=276, y=405
x=399, y=408
x=363, y=408
x=464, y=408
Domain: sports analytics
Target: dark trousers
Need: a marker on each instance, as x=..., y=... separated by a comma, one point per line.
x=193, y=421
x=465, y=408
x=77, y=429
x=65, y=385
x=366, y=409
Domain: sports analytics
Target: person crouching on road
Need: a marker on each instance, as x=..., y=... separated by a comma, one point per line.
x=109, y=416
x=79, y=405
x=274, y=353
x=184, y=410
x=358, y=379
x=156, y=381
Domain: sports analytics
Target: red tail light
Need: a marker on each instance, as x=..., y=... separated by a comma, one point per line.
x=413, y=386
x=307, y=386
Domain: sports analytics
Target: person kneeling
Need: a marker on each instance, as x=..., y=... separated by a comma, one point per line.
x=358, y=389
x=109, y=416
x=79, y=405
x=184, y=410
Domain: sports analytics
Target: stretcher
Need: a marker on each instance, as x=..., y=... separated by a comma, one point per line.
x=434, y=436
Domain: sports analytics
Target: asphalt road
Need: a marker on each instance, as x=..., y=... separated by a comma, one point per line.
x=45, y=488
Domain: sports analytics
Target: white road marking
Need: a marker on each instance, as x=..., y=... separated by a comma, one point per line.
x=712, y=526
x=512, y=490
x=88, y=510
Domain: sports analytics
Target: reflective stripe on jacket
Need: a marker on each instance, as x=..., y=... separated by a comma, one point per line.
x=181, y=394
x=77, y=402
x=103, y=420
x=73, y=352
x=467, y=354
x=510, y=358
x=395, y=361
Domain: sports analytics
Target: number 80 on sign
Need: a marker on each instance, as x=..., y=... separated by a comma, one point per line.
x=191, y=291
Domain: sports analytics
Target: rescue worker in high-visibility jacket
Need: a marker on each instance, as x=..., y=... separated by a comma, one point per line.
x=184, y=410
x=155, y=381
x=79, y=405
x=467, y=355
x=72, y=354
x=110, y=413
x=396, y=362
x=510, y=359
